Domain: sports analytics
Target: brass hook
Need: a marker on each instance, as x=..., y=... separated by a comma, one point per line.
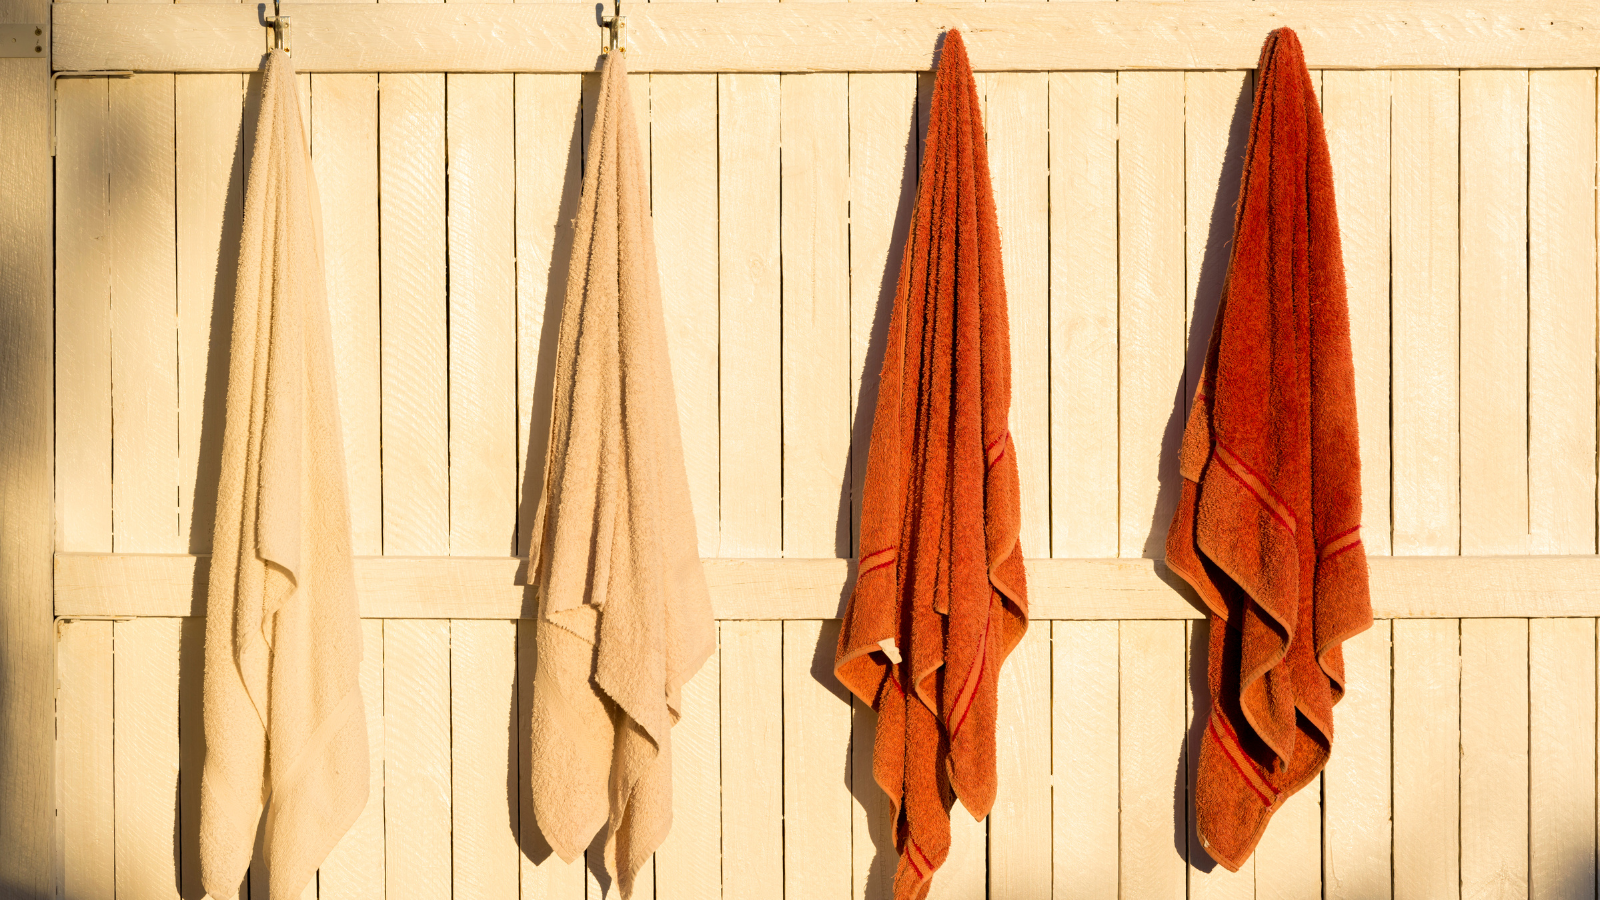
x=280, y=28
x=618, y=25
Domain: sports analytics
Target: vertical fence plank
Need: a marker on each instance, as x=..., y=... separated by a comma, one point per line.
x=816, y=765
x=1216, y=125
x=1561, y=304
x=1020, y=826
x=145, y=753
x=683, y=160
x=416, y=720
x=1017, y=117
x=549, y=172
x=873, y=857
x=354, y=868
x=1356, y=112
x=1083, y=725
x=543, y=875
x=814, y=130
x=1561, y=741
x=1151, y=667
x=483, y=777
x=689, y=862
x=1494, y=312
x=83, y=315
x=211, y=158
x=144, y=340
x=883, y=179
x=750, y=372
x=1289, y=857
x=752, y=760
x=483, y=367
x=1151, y=304
x=1427, y=764
x=1423, y=229
x=84, y=773
x=1207, y=880
x=191, y=754
x=411, y=181
x=1083, y=338
x=1356, y=783
x=344, y=127
x=1494, y=761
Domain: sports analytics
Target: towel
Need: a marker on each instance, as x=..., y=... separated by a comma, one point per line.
x=1268, y=526
x=284, y=728
x=940, y=598
x=624, y=618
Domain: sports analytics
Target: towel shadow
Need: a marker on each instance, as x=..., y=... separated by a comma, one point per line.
x=519, y=801
x=1207, y=298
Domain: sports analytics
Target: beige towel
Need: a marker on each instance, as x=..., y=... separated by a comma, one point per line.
x=624, y=617
x=284, y=727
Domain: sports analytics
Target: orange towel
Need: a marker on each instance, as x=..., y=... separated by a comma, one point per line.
x=1268, y=527
x=940, y=599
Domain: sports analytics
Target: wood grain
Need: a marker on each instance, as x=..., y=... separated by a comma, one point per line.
x=84, y=752
x=751, y=372
x=1150, y=312
x=752, y=760
x=1084, y=701
x=1021, y=823
x=344, y=130
x=689, y=861
x=411, y=183
x=1356, y=849
x=1425, y=278
x=145, y=754
x=481, y=141
x=749, y=37
x=417, y=795
x=1083, y=337
x=1494, y=766
x=1151, y=680
x=483, y=775
x=1427, y=763
x=354, y=868
x=814, y=129
x=1561, y=704
x=1207, y=880
x=816, y=765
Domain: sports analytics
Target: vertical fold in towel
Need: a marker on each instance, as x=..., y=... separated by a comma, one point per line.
x=940, y=597
x=284, y=727
x=624, y=618
x=1268, y=526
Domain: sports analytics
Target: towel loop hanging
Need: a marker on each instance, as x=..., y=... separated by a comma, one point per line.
x=617, y=24
x=280, y=28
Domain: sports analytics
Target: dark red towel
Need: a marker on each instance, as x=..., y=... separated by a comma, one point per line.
x=939, y=600
x=1268, y=527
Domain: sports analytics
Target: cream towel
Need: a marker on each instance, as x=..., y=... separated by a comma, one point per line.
x=624, y=617
x=284, y=727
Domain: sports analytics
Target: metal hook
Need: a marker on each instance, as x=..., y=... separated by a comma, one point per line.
x=618, y=25
x=280, y=28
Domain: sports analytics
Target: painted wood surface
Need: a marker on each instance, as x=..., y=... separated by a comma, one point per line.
x=750, y=37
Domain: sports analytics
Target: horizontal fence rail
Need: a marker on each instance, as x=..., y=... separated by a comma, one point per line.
x=1416, y=587
x=856, y=37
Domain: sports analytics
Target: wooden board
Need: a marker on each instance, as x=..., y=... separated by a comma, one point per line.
x=1494, y=357
x=750, y=351
x=1216, y=126
x=1494, y=768
x=814, y=129
x=1207, y=880
x=752, y=760
x=1426, y=275
x=1021, y=823
x=543, y=874
x=1083, y=338
x=484, y=787
x=816, y=765
x=1561, y=295
x=701, y=37
x=411, y=182
x=1017, y=119
x=480, y=137
x=145, y=758
x=1356, y=854
x=689, y=862
x=1150, y=312
x=1152, y=703
x=344, y=131
x=1561, y=703
x=84, y=747
x=1427, y=764
x=1084, y=734
x=354, y=868
x=417, y=772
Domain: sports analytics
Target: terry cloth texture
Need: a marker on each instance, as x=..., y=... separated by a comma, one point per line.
x=940, y=598
x=283, y=720
x=1268, y=526
x=624, y=616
